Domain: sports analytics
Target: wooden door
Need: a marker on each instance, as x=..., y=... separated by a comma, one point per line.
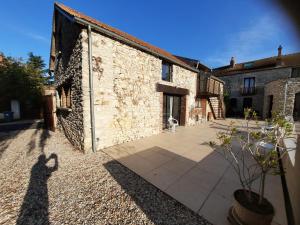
x=48, y=112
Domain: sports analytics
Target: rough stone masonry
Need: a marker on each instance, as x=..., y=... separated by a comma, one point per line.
x=126, y=101
x=127, y=105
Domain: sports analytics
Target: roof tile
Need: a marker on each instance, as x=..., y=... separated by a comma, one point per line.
x=153, y=48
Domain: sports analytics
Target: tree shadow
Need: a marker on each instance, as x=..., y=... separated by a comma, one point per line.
x=43, y=138
x=32, y=143
x=34, y=209
x=45, y=134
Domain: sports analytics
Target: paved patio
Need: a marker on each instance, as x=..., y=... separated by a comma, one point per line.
x=182, y=165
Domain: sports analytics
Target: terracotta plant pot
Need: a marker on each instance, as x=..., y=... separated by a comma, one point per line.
x=244, y=212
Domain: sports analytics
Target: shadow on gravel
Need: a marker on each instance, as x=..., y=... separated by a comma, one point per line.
x=158, y=206
x=45, y=134
x=11, y=131
x=6, y=139
x=34, y=209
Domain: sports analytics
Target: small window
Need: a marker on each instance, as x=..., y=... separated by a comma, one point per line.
x=167, y=71
x=248, y=65
x=296, y=72
x=198, y=103
x=249, y=82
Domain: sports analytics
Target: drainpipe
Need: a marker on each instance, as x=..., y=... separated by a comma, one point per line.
x=285, y=95
x=91, y=89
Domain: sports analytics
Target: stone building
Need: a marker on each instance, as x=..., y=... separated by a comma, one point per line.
x=252, y=84
x=131, y=88
x=283, y=95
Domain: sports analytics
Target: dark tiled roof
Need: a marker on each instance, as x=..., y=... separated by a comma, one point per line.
x=146, y=45
x=194, y=63
x=290, y=60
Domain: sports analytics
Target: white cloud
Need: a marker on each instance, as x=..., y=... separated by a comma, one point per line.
x=252, y=42
x=26, y=32
x=36, y=37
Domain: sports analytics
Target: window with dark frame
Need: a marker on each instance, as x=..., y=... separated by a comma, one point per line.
x=166, y=72
x=249, y=82
x=249, y=85
x=296, y=72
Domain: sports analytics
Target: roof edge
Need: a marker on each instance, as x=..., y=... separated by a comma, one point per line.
x=255, y=60
x=109, y=33
x=251, y=71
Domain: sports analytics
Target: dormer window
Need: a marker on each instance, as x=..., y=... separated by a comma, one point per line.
x=248, y=65
x=167, y=71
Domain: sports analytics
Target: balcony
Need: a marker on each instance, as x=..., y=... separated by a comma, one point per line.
x=209, y=86
x=248, y=91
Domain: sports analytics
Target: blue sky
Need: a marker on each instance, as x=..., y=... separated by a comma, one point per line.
x=211, y=31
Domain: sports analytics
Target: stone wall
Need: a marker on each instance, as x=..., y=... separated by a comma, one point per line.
x=69, y=68
x=277, y=89
x=291, y=164
x=234, y=83
x=127, y=105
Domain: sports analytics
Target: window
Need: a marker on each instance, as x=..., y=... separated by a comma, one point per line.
x=248, y=65
x=198, y=103
x=249, y=82
x=167, y=71
x=296, y=72
x=249, y=86
x=64, y=95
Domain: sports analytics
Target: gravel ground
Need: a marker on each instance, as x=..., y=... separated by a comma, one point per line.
x=44, y=181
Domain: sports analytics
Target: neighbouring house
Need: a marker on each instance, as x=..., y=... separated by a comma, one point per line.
x=266, y=85
x=131, y=89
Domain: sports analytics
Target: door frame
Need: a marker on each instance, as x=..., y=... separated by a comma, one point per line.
x=165, y=119
x=270, y=106
x=244, y=101
x=180, y=92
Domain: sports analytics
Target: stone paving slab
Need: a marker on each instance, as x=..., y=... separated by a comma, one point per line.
x=183, y=165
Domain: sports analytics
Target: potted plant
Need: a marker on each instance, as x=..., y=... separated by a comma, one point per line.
x=253, y=152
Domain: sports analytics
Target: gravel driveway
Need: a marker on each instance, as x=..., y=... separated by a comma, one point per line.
x=43, y=180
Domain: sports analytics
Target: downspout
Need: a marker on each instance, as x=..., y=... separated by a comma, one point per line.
x=91, y=89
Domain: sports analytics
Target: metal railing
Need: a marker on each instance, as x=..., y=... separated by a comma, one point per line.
x=209, y=86
x=248, y=90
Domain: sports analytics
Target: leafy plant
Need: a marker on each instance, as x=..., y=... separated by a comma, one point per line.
x=254, y=152
x=21, y=80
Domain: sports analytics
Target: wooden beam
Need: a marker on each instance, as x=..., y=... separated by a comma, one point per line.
x=171, y=89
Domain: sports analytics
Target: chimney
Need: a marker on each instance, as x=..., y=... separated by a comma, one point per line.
x=279, y=51
x=279, y=56
x=232, y=62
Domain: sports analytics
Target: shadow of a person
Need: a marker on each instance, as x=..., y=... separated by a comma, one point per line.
x=34, y=209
